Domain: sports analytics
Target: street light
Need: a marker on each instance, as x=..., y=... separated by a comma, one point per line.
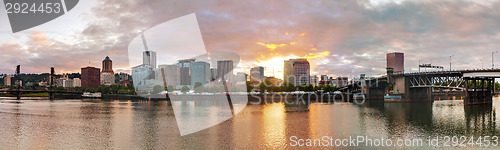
x=450, y=61
x=482, y=64
x=419, y=64
x=492, y=60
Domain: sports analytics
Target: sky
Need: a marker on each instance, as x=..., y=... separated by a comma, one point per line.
x=339, y=38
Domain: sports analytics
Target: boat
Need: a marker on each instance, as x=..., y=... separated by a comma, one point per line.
x=358, y=97
x=392, y=97
x=91, y=95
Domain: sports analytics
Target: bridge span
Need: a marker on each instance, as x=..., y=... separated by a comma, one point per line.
x=478, y=85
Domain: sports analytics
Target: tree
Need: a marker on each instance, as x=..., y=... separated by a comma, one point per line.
x=157, y=89
x=249, y=86
x=198, y=87
x=170, y=88
x=184, y=89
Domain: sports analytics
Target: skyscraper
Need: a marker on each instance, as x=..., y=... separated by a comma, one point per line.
x=315, y=80
x=107, y=65
x=172, y=74
x=257, y=73
x=149, y=58
x=213, y=74
x=90, y=77
x=200, y=72
x=297, y=71
x=185, y=71
x=396, y=61
x=224, y=69
x=107, y=73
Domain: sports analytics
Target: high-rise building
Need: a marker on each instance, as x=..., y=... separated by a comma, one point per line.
x=257, y=73
x=241, y=77
x=107, y=73
x=224, y=69
x=185, y=71
x=67, y=83
x=396, y=61
x=140, y=74
x=107, y=65
x=200, y=72
x=341, y=81
x=324, y=78
x=172, y=74
x=7, y=80
x=315, y=80
x=123, y=76
x=213, y=74
x=77, y=82
x=149, y=58
x=91, y=77
x=297, y=71
x=107, y=78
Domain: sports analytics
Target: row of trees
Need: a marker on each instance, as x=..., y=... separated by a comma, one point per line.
x=104, y=89
x=267, y=86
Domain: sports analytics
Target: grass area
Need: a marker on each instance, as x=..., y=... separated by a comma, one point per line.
x=36, y=94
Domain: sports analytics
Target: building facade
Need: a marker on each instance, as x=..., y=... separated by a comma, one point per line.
x=107, y=73
x=149, y=58
x=172, y=74
x=200, y=72
x=396, y=61
x=224, y=69
x=257, y=73
x=91, y=77
x=185, y=71
x=297, y=71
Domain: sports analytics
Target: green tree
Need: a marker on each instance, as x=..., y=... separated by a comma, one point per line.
x=157, y=89
x=170, y=88
x=185, y=89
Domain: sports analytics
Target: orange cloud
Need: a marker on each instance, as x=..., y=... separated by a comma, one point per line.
x=271, y=46
x=322, y=54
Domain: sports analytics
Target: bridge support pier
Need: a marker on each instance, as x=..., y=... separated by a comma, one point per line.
x=420, y=94
x=478, y=91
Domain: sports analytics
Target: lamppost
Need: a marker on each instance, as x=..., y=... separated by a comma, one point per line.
x=492, y=60
x=419, y=64
x=482, y=64
x=450, y=61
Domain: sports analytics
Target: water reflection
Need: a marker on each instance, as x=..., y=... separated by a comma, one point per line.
x=124, y=124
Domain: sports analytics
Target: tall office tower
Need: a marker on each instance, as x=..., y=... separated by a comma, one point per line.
x=297, y=71
x=140, y=74
x=257, y=73
x=315, y=80
x=324, y=78
x=396, y=61
x=172, y=74
x=213, y=74
x=90, y=77
x=241, y=77
x=107, y=73
x=200, y=72
x=185, y=71
x=149, y=58
x=107, y=65
x=225, y=69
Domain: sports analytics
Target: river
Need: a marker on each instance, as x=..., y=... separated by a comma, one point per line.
x=127, y=124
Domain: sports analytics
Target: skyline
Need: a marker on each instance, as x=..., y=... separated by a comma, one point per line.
x=348, y=38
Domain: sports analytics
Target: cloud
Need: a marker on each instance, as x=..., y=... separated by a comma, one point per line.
x=356, y=34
